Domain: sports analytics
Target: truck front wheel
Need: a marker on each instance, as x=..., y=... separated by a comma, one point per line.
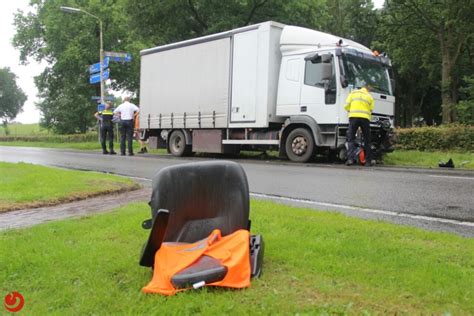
x=299, y=145
x=177, y=144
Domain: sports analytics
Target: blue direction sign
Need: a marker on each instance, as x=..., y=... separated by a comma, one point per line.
x=100, y=107
x=96, y=67
x=106, y=98
x=116, y=56
x=95, y=78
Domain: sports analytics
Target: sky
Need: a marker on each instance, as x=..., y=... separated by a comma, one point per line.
x=10, y=57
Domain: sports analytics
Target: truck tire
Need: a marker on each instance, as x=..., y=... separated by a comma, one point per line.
x=299, y=145
x=177, y=144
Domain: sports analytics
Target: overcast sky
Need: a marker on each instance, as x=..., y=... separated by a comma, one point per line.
x=9, y=57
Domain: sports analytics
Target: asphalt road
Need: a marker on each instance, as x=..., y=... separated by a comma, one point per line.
x=431, y=199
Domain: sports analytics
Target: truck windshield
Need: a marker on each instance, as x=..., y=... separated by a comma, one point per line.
x=360, y=71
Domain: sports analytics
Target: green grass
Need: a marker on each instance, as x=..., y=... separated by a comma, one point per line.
x=17, y=129
x=78, y=146
x=315, y=263
x=428, y=159
x=26, y=185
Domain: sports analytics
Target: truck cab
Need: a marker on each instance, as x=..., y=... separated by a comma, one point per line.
x=317, y=73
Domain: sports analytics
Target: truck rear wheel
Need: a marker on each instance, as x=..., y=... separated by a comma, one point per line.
x=177, y=144
x=299, y=145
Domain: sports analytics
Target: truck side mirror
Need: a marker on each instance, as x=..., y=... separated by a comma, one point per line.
x=326, y=58
x=392, y=84
x=326, y=71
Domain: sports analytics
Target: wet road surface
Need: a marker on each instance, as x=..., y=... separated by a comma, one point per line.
x=431, y=199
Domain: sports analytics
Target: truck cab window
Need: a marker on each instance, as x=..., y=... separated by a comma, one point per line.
x=360, y=71
x=313, y=76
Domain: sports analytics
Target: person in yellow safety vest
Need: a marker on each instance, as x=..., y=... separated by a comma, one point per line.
x=359, y=105
x=106, y=128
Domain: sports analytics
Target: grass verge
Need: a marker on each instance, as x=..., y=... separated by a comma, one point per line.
x=79, y=146
x=426, y=159
x=315, y=263
x=27, y=186
x=17, y=129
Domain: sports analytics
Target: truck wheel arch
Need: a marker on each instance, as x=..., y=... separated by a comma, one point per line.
x=294, y=122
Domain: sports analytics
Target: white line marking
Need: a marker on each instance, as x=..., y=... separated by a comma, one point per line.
x=452, y=177
x=366, y=210
x=359, y=209
x=138, y=178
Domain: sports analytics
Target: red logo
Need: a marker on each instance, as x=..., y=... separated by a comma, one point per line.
x=14, y=302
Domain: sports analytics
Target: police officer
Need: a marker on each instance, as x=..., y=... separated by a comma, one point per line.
x=359, y=105
x=126, y=110
x=106, y=128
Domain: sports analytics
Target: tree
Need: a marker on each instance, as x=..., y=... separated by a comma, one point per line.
x=354, y=19
x=69, y=43
x=168, y=21
x=12, y=97
x=450, y=25
x=417, y=76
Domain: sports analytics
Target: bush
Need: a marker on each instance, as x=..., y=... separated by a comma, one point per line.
x=74, y=138
x=449, y=137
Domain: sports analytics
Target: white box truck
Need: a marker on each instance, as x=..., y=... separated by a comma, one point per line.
x=262, y=86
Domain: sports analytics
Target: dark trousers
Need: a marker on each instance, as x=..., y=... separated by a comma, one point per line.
x=126, y=132
x=107, y=133
x=354, y=124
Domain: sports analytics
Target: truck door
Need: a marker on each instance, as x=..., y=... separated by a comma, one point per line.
x=318, y=91
x=244, y=77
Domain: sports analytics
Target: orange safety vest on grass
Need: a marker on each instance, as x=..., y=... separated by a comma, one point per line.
x=232, y=251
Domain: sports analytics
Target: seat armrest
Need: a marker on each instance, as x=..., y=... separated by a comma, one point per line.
x=155, y=239
x=206, y=269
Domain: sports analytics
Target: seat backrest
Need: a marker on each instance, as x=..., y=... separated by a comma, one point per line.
x=201, y=197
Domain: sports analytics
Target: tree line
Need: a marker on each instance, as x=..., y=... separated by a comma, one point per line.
x=430, y=43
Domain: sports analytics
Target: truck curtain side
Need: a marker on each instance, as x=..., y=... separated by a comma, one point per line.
x=221, y=81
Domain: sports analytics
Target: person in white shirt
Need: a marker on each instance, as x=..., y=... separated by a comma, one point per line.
x=127, y=111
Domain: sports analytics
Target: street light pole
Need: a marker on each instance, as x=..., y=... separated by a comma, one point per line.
x=101, y=60
x=101, y=51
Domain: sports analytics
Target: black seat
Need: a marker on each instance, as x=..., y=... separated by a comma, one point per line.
x=189, y=201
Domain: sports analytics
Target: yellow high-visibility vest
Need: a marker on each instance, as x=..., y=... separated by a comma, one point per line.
x=360, y=103
x=106, y=112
